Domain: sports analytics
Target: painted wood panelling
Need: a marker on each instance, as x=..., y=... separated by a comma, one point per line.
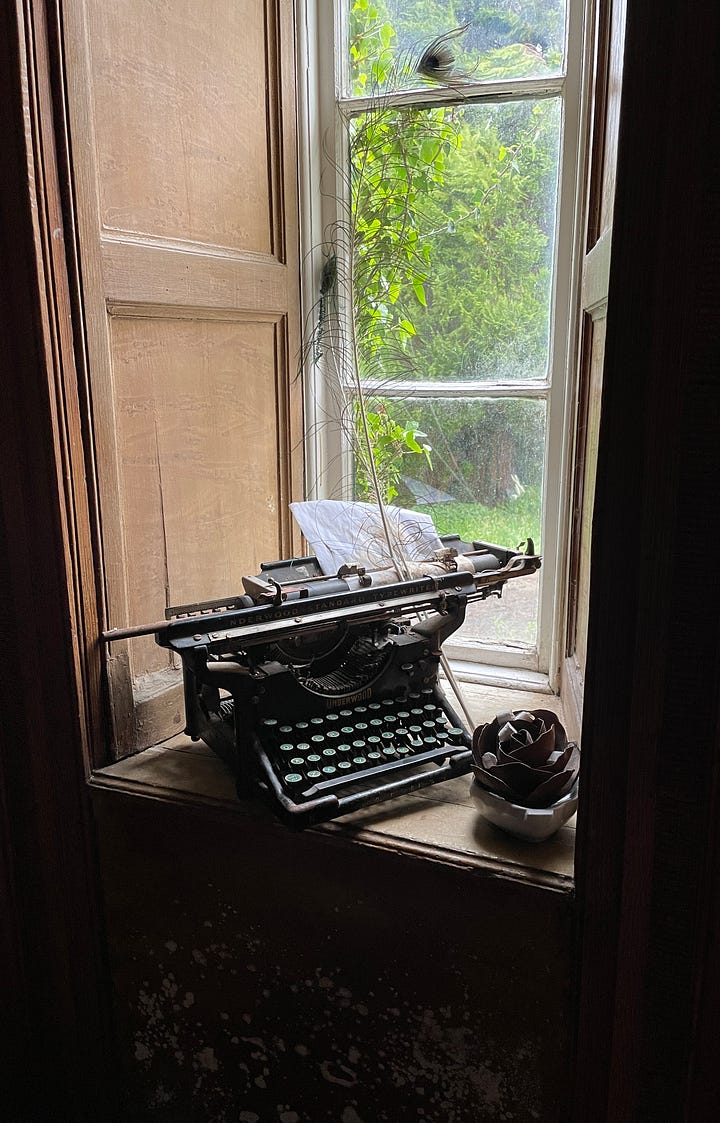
x=183, y=148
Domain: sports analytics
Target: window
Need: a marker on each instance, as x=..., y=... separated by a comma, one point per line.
x=451, y=207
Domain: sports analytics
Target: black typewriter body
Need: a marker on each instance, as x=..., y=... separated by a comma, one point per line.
x=322, y=692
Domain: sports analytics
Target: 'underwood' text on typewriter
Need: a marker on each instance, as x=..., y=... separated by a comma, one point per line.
x=321, y=692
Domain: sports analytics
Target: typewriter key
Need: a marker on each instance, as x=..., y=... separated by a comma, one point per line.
x=456, y=735
x=329, y=754
x=270, y=724
x=430, y=708
x=313, y=759
x=359, y=761
x=346, y=713
x=285, y=730
x=332, y=718
x=374, y=706
x=360, y=710
x=414, y=696
x=414, y=730
x=401, y=734
x=388, y=702
x=374, y=740
x=415, y=743
x=374, y=757
x=332, y=735
x=347, y=731
x=287, y=748
x=344, y=749
x=303, y=747
x=417, y=712
x=389, y=752
x=402, y=750
x=387, y=737
x=361, y=727
x=359, y=746
x=314, y=774
x=390, y=721
x=293, y=779
x=441, y=736
x=428, y=725
x=317, y=739
x=301, y=726
x=429, y=742
x=403, y=715
x=329, y=770
x=297, y=761
x=376, y=722
x=344, y=766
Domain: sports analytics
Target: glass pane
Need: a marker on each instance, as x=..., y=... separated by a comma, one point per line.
x=453, y=230
x=480, y=476
x=398, y=44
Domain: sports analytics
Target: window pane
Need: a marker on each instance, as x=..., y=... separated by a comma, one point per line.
x=504, y=39
x=453, y=231
x=482, y=479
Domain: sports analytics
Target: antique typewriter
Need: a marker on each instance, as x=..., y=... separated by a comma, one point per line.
x=321, y=692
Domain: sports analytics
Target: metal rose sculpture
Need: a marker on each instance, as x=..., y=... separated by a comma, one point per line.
x=525, y=757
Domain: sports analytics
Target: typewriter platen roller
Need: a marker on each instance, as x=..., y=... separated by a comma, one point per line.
x=321, y=692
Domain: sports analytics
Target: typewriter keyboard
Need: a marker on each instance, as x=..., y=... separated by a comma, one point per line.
x=345, y=746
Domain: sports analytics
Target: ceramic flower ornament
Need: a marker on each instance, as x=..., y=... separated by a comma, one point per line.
x=525, y=758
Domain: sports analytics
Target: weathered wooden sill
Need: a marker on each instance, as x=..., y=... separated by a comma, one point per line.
x=439, y=823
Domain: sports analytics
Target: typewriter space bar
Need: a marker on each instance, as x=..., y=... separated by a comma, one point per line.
x=381, y=770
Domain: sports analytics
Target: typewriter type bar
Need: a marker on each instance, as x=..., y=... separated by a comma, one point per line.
x=321, y=692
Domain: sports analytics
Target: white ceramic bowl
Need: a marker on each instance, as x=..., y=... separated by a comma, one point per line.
x=534, y=824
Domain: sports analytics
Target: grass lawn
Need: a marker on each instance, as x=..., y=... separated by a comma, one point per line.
x=505, y=525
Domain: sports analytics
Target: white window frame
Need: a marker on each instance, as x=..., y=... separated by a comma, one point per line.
x=320, y=95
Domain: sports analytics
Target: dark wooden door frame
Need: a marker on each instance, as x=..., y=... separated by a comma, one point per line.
x=648, y=874
x=57, y=1061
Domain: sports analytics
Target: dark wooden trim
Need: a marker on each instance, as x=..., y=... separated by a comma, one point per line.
x=649, y=786
x=55, y=917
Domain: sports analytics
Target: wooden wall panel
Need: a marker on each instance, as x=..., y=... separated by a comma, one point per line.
x=180, y=117
x=182, y=131
x=195, y=400
x=609, y=24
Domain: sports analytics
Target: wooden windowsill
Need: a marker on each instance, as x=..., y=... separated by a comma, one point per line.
x=440, y=822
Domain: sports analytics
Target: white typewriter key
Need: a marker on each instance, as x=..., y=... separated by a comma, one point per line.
x=332, y=718
x=361, y=727
x=376, y=723
x=374, y=757
x=359, y=761
x=301, y=726
x=313, y=759
x=329, y=754
x=347, y=731
x=270, y=723
x=293, y=779
x=346, y=713
x=359, y=746
x=402, y=750
x=389, y=752
x=314, y=774
x=317, y=739
x=344, y=766
x=456, y=735
x=332, y=736
x=297, y=762
x=344, y=749
x=374, y=706
x=374, y=741
x=388, y=702
x=316, y=721
x=285, y=730
x=303, y=747
x=329, y=770
x=287, y=748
